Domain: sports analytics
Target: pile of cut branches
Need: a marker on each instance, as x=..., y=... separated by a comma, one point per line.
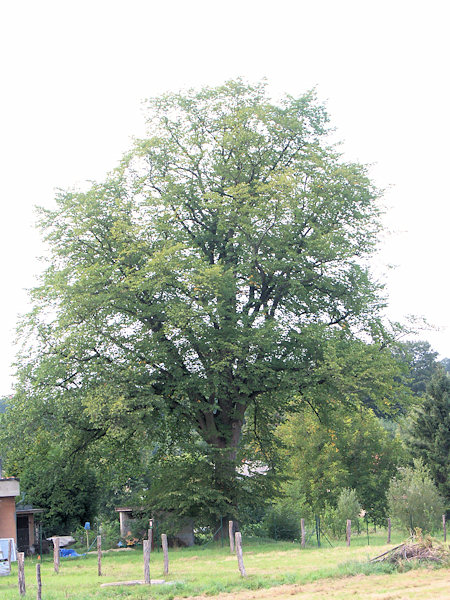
x=419, y=548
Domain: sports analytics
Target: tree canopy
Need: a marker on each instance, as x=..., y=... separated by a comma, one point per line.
x=218, y=276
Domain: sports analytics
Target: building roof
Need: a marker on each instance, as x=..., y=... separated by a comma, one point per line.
x=28, y=511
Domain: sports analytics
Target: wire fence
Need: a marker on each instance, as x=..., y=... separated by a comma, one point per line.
x=311, y=532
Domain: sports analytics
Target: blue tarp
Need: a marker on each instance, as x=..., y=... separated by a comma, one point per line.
x=69, y=552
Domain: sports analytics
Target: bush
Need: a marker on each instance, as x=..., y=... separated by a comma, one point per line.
x=414, y=500
x=110, y=532
x=332, y=523
x=282, y=523
x=334, y=519
x=259, y=530
x=79, y=534
x=348, y=506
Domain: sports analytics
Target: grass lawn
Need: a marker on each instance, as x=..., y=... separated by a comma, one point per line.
x=275, y=570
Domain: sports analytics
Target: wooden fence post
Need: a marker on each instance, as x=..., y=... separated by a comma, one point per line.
x=166, y=553
x=146, y=547
x=349, y=531
x=39, y=582
x=56, y=554
x=9, y=553
x=444, y=526
x=238, y=539
x=302, y=526
x=21, y=572
x=99, y=555
x=231, y=536
x=389, y=531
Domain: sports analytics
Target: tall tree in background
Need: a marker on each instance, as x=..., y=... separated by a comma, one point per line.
x=427, y=432
x=445, y=362
x=217, y=274
x=422, y=364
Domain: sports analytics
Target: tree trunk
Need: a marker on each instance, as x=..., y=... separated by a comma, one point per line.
x=223, y=449
x=221, y=430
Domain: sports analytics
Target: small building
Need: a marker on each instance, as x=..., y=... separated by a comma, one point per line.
x=128, y=515
x=27, y=528
x=125, y=519
x=17, y=522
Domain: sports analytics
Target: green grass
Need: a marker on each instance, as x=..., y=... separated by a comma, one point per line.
x=196, y=571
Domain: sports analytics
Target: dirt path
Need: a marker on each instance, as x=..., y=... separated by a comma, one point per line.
x=423, y=584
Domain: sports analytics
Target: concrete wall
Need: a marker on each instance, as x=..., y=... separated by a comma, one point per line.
x=124, y=517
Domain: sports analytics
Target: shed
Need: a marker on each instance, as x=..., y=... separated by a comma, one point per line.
x=17, y=522
x=127, y=516
x=27, y=528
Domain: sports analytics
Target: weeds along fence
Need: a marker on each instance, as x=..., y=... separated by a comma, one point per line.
x=318, y=531
x=308, y=533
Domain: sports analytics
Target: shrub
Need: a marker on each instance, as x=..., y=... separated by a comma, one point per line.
x=414, y=500
x=110, y=532
x=282, y=523
x=79, y=534
x=334, y=519
x=348, y=506
x=332, y=523
x=255, y=530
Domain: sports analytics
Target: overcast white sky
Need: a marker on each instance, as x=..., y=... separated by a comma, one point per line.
x=74, y=73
